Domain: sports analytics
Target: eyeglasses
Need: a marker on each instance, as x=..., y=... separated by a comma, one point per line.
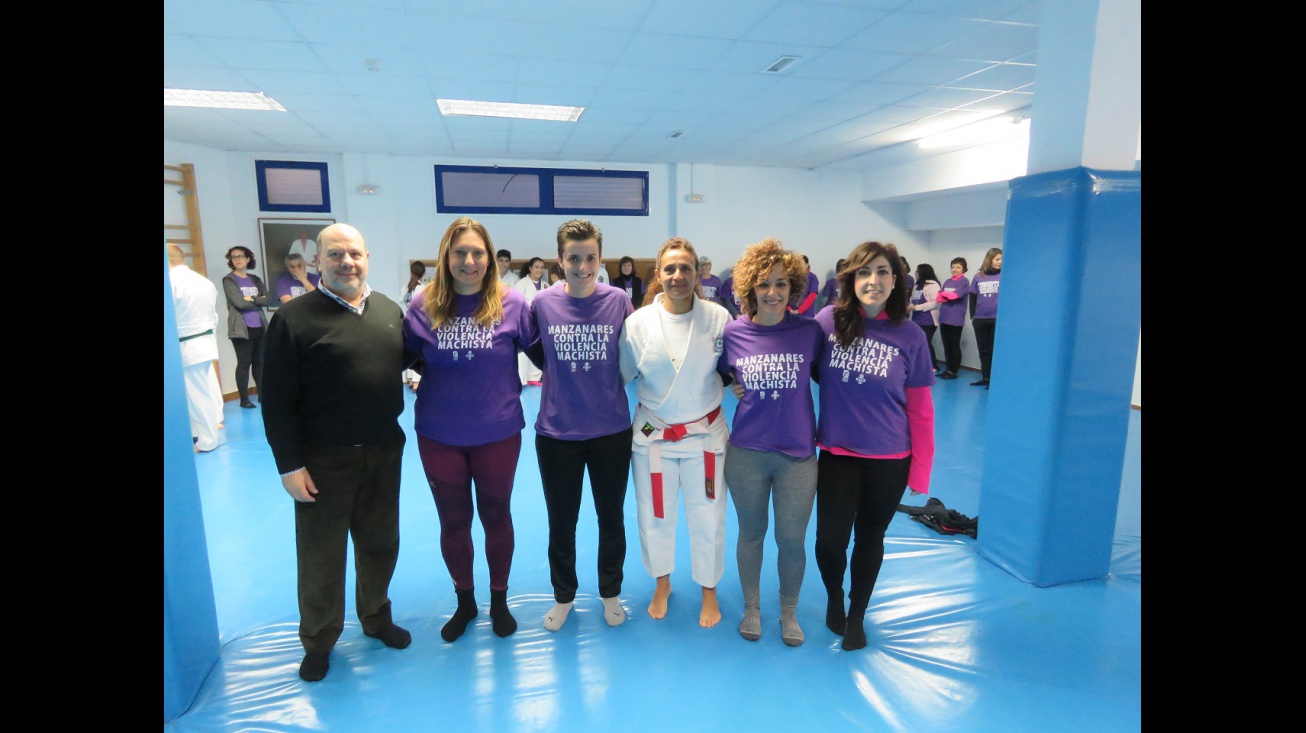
x=239, y=257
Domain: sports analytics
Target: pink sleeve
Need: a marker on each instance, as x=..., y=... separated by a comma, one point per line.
x=920, y=423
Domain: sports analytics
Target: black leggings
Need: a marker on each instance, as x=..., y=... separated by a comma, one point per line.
x=985, y=330
x=861, y=494
x=951, y=346
x=929, y=339
x=249, y=354
x=562, y=467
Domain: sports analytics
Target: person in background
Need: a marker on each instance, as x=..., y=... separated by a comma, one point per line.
x=875, y=428
x=680, y=435
x=469, y=328
x=709, y=284
x=983, y=294
x=911, y=281
x=768, y=356
x=924, y=307
x=195, y=300
x=727, y=296
x=504, y=258
x=246, y=298
x=584, y=418
x=556, y=275
x=529, y=284
x=830, y=291
x=296, y=280
x=331, y=411
x=952, y=316
x=630, y=282
x=306, y=248
x=807, y=299
x=416, y=280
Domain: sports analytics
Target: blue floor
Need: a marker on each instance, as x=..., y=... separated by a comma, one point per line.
x=955, y=642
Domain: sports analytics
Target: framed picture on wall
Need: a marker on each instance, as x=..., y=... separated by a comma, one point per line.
x=280, y=237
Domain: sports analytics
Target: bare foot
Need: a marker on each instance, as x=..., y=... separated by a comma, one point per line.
x=711, y=612
x=658, y=608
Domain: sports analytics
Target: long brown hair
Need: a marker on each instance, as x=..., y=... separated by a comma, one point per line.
x=757, y=262
x=848, y=319
x=656, y=286
x=987, y=268
x=440, y=305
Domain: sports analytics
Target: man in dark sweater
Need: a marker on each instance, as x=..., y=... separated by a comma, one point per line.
x=332, y=397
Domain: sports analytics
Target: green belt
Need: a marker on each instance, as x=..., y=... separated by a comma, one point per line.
x=197, y=335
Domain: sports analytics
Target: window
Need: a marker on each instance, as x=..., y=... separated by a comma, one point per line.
x=287, y=185
x=554, y=191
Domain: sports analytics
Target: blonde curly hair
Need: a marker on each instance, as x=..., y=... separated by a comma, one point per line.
x=757, y=262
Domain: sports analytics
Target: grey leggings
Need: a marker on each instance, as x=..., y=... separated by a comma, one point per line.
x=756, y=477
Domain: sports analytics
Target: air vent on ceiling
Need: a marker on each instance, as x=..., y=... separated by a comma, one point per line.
x=779, y=64
x=677, y=133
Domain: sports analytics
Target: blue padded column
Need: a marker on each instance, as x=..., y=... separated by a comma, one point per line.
x=1063, y=371
x=190, y=619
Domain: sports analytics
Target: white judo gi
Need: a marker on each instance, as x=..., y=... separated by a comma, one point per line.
x=195, y=299
x=679, y=440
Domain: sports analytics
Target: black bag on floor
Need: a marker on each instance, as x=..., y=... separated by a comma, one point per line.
x=942, y=519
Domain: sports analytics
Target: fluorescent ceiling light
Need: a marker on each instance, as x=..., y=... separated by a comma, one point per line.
x=991, y=130
x=509, y=109
x=219, y=100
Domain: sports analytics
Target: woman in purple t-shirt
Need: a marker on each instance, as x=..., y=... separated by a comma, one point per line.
x=772, y=450
x=246, y=298
x=875, y=431
x=469, y=328
x=952, y=316
x=984, y=311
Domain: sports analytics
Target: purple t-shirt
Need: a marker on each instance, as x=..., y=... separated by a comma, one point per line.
x=247, y=287
x=774, y=364
x=986, y=288
x=864, y=387
x=924, y=318
x=830, y=292
x=470, y=392
x=583, y=395
x=953, y=312
x=727, y=292
x=287, y=285
x=813, y=287
x=711, y=284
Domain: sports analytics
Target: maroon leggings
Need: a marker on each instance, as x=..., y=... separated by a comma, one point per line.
x=451, y=471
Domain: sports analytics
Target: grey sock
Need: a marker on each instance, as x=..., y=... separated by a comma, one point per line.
x=613, y=613
x=555, y=618
x=751, y=627
x=790, y=631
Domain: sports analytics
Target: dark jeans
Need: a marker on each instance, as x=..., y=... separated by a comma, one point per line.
x=562, y=467
x=985, y=329
x=358, y=496
x=951, y=337
x=249, y=354
x=861, y=494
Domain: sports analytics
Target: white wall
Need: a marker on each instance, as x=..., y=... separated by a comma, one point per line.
x=819, y=214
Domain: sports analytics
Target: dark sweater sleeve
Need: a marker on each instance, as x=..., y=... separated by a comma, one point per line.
x=278, y=394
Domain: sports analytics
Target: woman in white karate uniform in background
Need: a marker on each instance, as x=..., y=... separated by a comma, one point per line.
x=671, y=346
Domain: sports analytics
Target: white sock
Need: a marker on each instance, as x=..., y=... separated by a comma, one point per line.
x=613, y=613
x=554, y=619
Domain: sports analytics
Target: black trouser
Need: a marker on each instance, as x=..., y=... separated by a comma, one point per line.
x=985, y=329
x=929, y=339
x=562, y=468
x=951, y=337
x=358, y=496
x=249, y=354
x=862, y=494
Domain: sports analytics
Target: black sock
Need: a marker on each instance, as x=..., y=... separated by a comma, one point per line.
x=501, y=618
x=854, y=635
x=315, y=666
x=834, y=615
x=465, y=612
x=393, y=636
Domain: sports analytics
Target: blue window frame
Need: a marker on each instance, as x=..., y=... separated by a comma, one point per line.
x=290, y=185
x=465, y=189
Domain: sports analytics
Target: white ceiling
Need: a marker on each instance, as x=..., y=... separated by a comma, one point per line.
x=871, y=75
